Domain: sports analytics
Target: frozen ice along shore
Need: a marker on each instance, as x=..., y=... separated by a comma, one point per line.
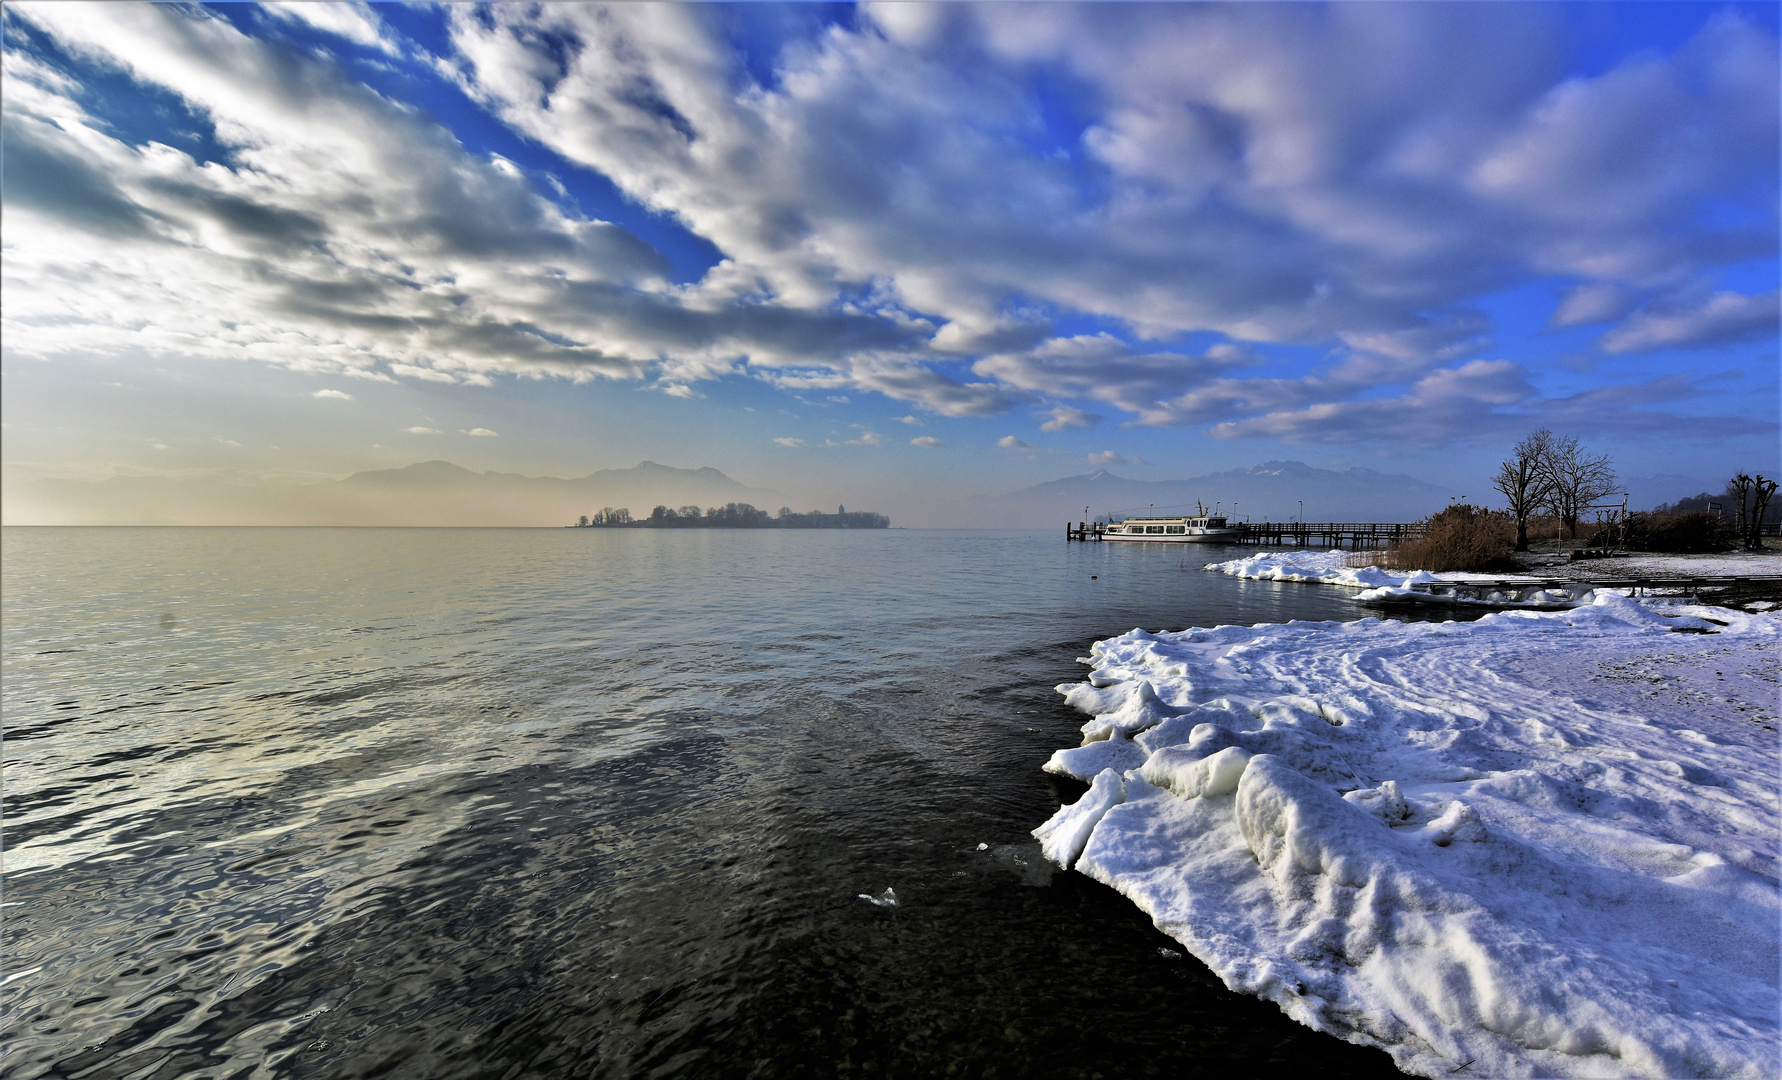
x=1541, y=843
x=1325, y=567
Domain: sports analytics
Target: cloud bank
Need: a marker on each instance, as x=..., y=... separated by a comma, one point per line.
x=898, y=213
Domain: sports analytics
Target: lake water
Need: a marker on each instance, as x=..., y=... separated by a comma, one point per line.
x=442, y=803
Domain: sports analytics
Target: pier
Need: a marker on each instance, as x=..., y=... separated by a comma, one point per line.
x=1353, y=535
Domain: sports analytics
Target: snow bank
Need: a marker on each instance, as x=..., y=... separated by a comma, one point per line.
x=1542, y=843
x=1532, y=598
x=1325, y=567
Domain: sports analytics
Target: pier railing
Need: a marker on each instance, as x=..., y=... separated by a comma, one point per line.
x=1343, y=534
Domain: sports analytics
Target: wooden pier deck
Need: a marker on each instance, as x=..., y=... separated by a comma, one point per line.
x=1354, y=535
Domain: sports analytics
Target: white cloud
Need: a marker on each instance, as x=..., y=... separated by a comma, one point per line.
x=1064, y=417
x=482, y=433
x=787, y=440
x=335, y=395
x=1721, y=318
x=1593, y=303
x=355, y=22
x=1450, y=405
x=418, y=430
x=1490, y=401
x=1110, y=457
x=1352, y=176
x=1010, y=442
x=869, y=438
x=926, y=441
x=1316, y=172
x=426, y=374
x=681, y=390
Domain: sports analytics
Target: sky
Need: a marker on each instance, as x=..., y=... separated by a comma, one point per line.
x=907, y=255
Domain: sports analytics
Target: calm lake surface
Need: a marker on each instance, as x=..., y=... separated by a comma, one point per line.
x=551, y=802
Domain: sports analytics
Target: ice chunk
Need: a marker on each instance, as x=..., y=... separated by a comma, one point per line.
x=1142, y=709
x=1063, y=836
x=1294, y=824
x=1385, y=800
x=1324, y=567
x=1086, y=761
x=1183, y=771
x=1458, y=822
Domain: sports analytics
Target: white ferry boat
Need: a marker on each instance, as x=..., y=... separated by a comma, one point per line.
x=1203, y=529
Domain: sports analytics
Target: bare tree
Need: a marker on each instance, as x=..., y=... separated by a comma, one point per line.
x=1752, y=496
x=1524, y=481
x=1761, y=490
x=1575, y=480
x=1739, y=488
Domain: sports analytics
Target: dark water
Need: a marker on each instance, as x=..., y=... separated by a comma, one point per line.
x=440, y=803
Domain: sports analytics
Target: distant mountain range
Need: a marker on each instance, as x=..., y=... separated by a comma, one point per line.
x=438, y=493
x=1272, y=490
x=431, y=493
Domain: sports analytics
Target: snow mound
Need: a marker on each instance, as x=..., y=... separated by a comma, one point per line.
x=1544, y=842
x=1326, y=567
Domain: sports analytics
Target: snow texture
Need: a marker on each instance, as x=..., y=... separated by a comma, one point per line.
x=1496, y=599
x=1727, y=564
x=1543, y=842
x=1325, y=567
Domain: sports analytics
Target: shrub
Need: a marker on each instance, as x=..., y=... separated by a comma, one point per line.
x=1461, y=537
x=1682, y=534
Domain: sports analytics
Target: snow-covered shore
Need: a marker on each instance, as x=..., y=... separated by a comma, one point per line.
x=1330, y=568
x=1323, y=567
x=1542, y=843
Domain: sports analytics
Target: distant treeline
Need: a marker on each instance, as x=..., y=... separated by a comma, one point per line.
x=733, y=516
x=1723, y=505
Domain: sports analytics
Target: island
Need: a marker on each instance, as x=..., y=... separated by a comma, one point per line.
x=732, y=516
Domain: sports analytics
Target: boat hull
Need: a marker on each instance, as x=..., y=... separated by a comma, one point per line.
x=1207, y=536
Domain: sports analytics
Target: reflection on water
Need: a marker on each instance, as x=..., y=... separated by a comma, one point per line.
x=537, y=802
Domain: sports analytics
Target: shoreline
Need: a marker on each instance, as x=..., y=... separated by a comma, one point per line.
x=1541, y=842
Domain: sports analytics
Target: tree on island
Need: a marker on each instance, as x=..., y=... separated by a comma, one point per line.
x=736, y=516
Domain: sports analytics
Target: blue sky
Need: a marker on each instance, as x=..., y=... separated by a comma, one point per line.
x=907, y=254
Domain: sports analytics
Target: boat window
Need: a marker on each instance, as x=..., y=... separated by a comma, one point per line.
x=1217, y=523
x=1176, y=529
x=1155, y=530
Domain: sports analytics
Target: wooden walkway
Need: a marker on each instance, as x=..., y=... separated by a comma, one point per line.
x=1355, y=535
x=1725, y=588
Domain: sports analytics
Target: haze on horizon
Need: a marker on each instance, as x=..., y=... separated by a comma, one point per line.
x=904, y=256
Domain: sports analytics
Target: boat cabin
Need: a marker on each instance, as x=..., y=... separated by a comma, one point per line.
x=1167, y=526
